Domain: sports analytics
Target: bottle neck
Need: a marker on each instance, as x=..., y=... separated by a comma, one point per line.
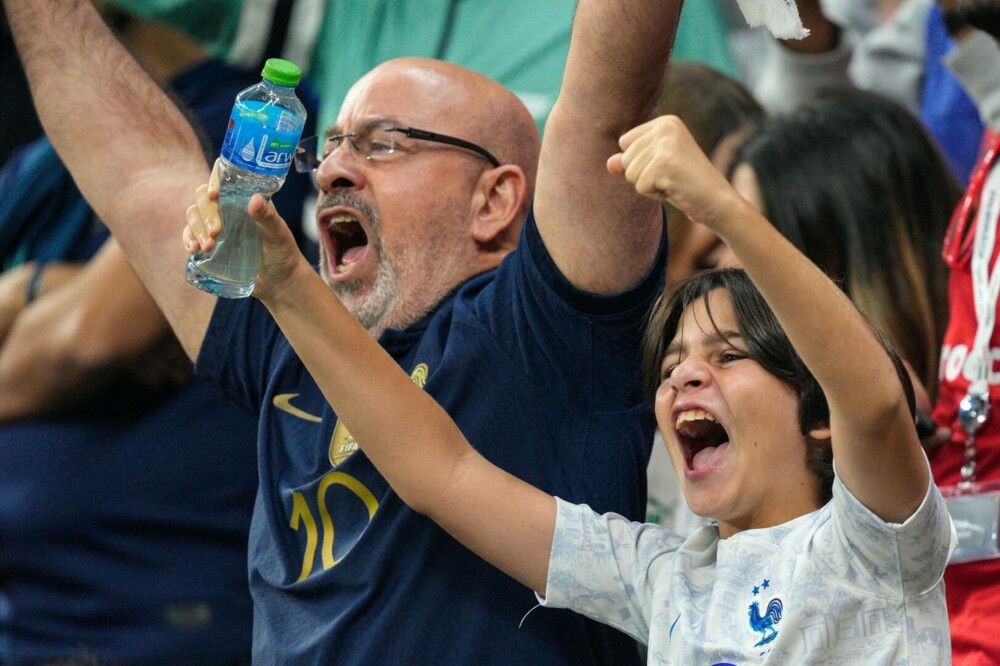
x=279, y=86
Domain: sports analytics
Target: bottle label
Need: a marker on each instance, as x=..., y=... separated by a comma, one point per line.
x=262, y=137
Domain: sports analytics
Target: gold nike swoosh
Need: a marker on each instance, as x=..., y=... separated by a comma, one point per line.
x=283, y=401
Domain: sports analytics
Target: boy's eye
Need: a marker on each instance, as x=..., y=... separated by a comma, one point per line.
x=730, y=356
x=667, y=371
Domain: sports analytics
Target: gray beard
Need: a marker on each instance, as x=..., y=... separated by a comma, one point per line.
x=372, y=311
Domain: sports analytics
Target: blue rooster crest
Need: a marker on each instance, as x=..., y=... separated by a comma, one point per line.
x=765, y=623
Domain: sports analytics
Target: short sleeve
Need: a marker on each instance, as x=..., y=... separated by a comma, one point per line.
x=605, y=567
x=911, y=555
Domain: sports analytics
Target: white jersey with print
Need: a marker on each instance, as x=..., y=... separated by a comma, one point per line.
x=835, y=586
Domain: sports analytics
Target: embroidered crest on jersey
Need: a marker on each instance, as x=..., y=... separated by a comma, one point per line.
x=343, y=444
x=764, y=623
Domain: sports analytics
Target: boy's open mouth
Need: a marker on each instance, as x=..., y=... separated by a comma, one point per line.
x=701, y=437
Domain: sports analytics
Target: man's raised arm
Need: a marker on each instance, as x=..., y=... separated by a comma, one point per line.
x=601, y=234
x=133, y=154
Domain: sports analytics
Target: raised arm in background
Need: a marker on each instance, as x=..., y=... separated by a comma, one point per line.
x=599, y=233
x=131, y=129
x=878, y=455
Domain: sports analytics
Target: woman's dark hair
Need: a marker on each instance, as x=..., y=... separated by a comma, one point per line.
x=854, y=181
x=716, y=109
x=711, y=104
x=766, y=343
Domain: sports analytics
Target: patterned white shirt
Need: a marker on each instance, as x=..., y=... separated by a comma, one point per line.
x=835, y=586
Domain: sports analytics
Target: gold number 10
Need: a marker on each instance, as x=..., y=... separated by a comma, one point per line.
x=300, y=510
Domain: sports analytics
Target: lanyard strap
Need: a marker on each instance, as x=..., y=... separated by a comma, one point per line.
x=985, y=282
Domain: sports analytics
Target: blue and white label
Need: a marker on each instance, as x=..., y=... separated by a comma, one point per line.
x=262, y=137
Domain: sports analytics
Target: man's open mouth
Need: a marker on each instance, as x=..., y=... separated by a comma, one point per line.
x=346, y=240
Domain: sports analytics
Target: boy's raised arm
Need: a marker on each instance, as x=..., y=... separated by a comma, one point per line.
x=874, y=438
x=133, y=154
x=412, y=441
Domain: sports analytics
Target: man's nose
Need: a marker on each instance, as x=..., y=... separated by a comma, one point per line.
x=342, y=168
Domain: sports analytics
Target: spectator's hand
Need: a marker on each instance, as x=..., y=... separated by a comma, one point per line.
x=204, y=223
x=279, y=254
x=664, y=162
x=280, y=257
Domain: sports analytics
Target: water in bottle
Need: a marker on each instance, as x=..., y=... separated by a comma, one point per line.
x=264, y=128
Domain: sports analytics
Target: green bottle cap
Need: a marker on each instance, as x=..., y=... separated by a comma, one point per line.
x=282, y=72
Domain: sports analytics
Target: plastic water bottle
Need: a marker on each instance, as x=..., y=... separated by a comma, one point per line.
x=264, y=128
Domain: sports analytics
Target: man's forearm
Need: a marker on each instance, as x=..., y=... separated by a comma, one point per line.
x=87, y=88
x=617, y=58
x=132, y=152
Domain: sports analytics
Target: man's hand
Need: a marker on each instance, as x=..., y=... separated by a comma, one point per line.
x=204, y=221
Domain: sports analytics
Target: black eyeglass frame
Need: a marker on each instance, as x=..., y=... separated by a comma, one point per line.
x=305, y=161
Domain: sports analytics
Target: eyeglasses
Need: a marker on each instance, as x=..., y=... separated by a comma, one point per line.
x=375, y=144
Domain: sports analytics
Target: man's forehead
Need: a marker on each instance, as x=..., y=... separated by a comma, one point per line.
x=405, y=93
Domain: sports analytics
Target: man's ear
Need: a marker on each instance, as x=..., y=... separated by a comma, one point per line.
x=498, y=204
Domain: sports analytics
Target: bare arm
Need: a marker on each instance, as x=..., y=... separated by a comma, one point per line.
x=600, y=234
x=66, y=345
x=410, y=439
x=133, y=154
x=875, y=444
x=14, y=289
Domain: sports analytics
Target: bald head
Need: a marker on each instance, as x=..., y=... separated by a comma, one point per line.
x=450, y=99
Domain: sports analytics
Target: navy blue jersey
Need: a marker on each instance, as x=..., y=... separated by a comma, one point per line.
x=543, y=379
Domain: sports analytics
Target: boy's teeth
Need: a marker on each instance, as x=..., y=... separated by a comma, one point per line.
x=693, y=415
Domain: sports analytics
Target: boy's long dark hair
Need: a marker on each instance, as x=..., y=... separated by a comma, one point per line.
x=766, y=343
